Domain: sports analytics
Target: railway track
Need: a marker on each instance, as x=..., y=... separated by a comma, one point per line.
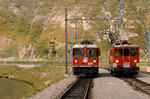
x=138, y=84
x=78, y=90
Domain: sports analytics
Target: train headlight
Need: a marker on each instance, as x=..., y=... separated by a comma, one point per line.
x=94, y=61
x=117, y=61
x=135, y=61
x=76, y=61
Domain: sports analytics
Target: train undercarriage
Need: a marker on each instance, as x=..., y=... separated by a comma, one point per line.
x=85, y=71
x=132, y=71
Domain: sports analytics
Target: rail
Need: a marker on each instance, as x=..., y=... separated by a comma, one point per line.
x=79, y=89
x=138, y=84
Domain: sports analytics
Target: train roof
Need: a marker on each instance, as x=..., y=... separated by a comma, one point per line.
x=125, y=45
x=84, y=45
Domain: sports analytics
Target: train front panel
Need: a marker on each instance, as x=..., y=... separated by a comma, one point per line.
x=124, y=59
x=85, y=60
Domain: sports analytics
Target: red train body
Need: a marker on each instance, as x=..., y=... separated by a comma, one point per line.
x=85, y=59
x=124, y=59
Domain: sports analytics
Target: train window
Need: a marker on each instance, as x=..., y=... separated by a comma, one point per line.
x=118, y=52
x=78, y=52
x=126, y=52
x=134, y=52
x=92, y=52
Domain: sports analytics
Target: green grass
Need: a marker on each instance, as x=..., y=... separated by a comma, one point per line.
x=39, y=77
x=12, y=89
x=58, y=62
x=9, y=51
x=17, y=26
x=25, y=62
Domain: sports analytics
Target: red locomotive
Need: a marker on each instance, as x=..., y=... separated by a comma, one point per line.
x=85, y=59
x=124, y=58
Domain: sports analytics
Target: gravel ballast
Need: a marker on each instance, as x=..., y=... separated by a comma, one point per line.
x=55, y=90
x=144, y=77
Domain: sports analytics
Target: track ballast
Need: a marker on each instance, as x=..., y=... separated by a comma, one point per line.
x=78, y=90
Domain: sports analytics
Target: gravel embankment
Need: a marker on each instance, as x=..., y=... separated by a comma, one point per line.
x=55, y=90
x=109, y=87
x=144, y=77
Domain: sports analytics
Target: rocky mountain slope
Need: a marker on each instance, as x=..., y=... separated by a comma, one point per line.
x=40, y=23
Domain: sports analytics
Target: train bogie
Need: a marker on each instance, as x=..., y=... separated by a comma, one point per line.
x=85, y=71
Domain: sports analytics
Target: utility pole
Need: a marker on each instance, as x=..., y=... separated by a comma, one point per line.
x=66, y=39
x=148, y=47
x=72, y=38
x=70, y=54
x=71, y=50
x=76, y=31
x=49, y=56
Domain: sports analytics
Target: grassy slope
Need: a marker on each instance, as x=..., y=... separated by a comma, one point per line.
x=136, y=10
x=17, y=26
x=39, y=77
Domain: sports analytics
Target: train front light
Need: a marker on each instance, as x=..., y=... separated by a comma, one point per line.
x=76, y=61
x=135, y=61
x=94, y=61
x=117, y=61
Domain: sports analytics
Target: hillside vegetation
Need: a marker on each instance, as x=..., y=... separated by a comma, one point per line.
x=39, y=24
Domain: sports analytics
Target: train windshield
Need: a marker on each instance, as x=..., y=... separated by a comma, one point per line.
x=78, y=52
x=92, y=52
x=118, y=52
x=134, y=52
x=126, y=52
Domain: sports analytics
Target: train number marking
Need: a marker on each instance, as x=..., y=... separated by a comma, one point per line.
x=90, y=63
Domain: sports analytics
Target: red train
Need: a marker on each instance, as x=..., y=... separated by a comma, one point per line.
x=124, y=58
x=85, y=59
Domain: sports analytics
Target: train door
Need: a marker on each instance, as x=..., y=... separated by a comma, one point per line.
x=118, y=57
x=134, y=57
x=126, y=63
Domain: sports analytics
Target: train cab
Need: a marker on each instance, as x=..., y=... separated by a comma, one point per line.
x=124, y=59
x=85, y=59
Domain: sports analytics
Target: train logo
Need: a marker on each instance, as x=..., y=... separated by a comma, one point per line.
x=85, y=59
x=124, y=58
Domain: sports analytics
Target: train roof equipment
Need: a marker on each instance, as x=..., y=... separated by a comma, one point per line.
x=123, y=44
x=85, y=43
